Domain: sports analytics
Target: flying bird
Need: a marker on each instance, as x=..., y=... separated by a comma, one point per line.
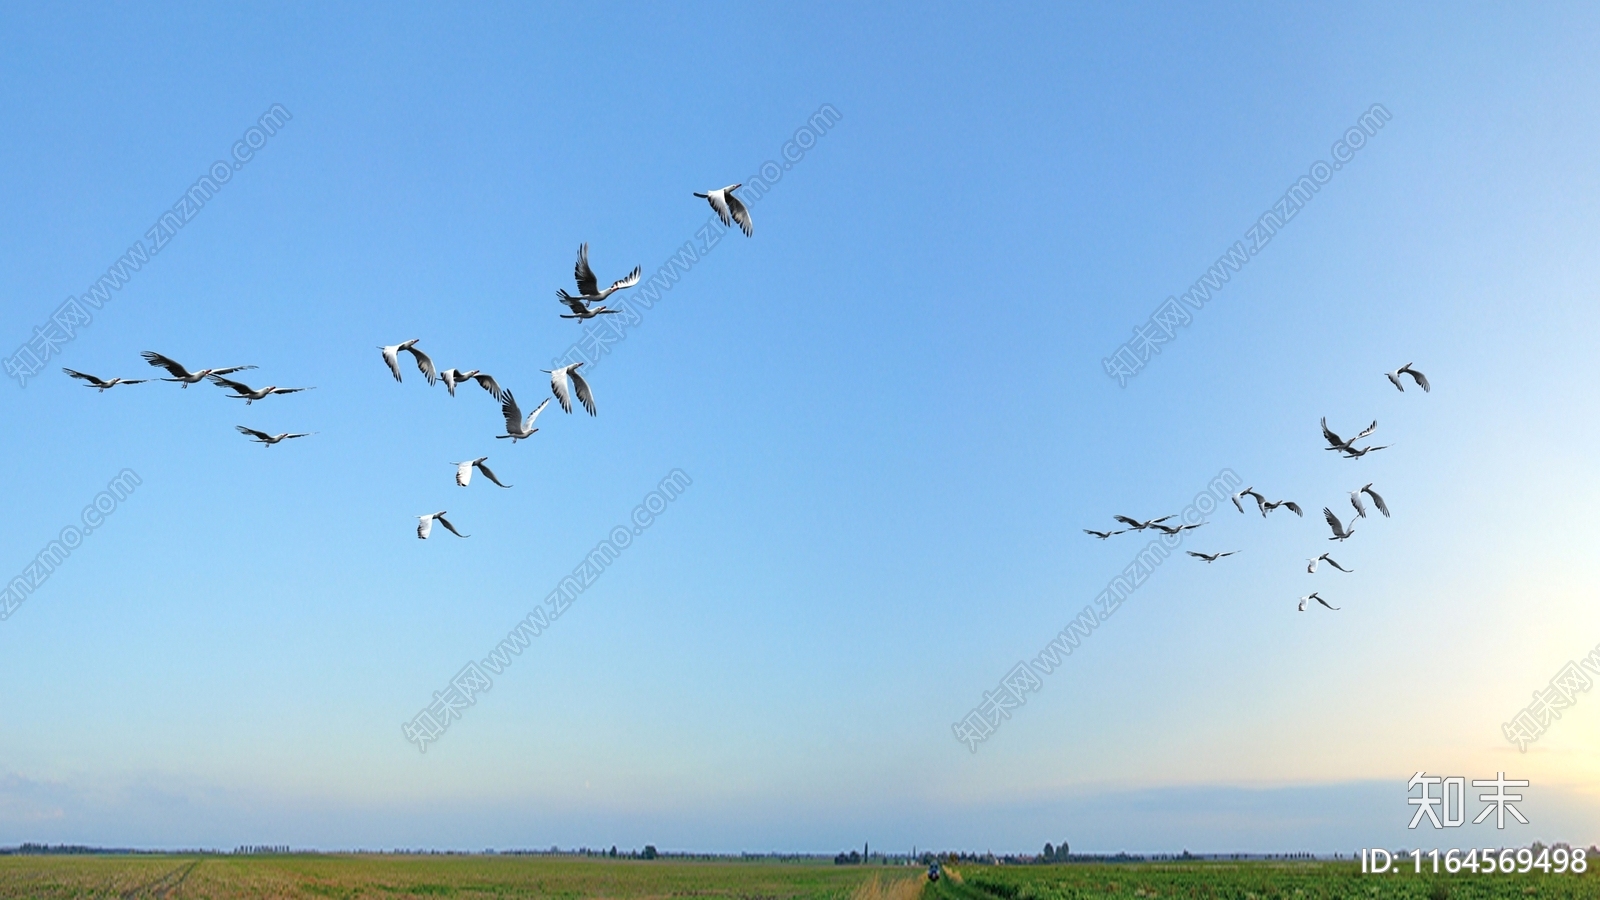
x=1210, y=557
x=726, y=204
x=1361, y=509
x=1311, y=566
x=249, y=394
x=1137, y=525
x=453, y=377
x=101, y=383
x=1338, y=443
x=1418, y=377
x=1168, y=529
x=589, y=288
x=579, y=310
x=464, y=471
x=516, y=428
x=186, y=377
x=1339, y=531
x=1358, y=452
x=391, y=355
x=1314, y=596
x=267, y=440
x=425, y=525
x=1290, y=505
x=1248, y=492
x=559, y=387
x=1102, y=535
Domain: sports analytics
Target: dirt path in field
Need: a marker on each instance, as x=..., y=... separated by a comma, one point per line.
x=164, y=885
x=880, y=888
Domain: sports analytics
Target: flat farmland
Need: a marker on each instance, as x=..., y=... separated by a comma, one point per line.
x=395, y=877
x=1256, y=880
x=466, y=877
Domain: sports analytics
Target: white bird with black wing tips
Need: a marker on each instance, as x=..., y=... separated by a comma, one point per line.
x=1137, y=525
x=1361, y=509
x=1311, y=566
x=101, y=383
x=1249, y=492
x=1358, y=452
x=464, y=472
x=580, y=310
x=1339, y=531
x=729, y=207
x=391, y=355
x=1102, y=535
x=184, y=376
x=1317, y=597
x=516, y=427
x=1210, y=557
x=1338, y=443
x=589, y=287
x=267, y=440
x=453, y=377
x=563, y=391
x=1290, y=505
x=249, y=394
x=1418, y=377
x=425, y=525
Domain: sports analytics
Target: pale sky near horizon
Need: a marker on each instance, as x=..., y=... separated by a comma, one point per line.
x=890, y=401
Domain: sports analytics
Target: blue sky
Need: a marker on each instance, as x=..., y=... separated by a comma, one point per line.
x=891, y=403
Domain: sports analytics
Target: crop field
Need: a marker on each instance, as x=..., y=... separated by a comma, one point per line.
x=465, y=877
x=399, y=877
x=1250, y=881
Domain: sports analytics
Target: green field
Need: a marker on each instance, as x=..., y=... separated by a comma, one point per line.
x=1250, y=881
x=398, y=877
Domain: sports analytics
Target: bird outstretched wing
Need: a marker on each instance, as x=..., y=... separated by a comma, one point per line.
x=1377, y=500
x=534, y=416
x=740, y=214
x=489, y=474
x=165, y=362
x=628, y=282
x=1328, y=435
x=561, y=389
x=584, y=395
x=488, y=383
x=391, y=356
x=1421, y=379
x=715, y=198
x=512, y=412
x=573, y=303
x=587, y=285
x=235, y=386
x=93, y=381
x=425, y=364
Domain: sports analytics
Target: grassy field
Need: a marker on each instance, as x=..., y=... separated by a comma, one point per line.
x=1250, y=881
x=464, y=877
x=395, y=878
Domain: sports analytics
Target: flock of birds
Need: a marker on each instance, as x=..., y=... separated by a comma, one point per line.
x=566, y=384
x=184, y=378
x=1341, y=530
